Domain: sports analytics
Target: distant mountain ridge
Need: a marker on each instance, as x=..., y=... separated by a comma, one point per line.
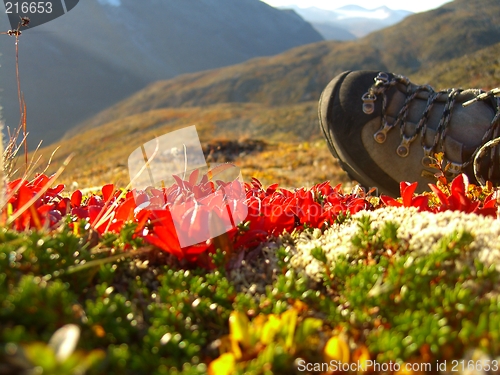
x=105, y=50
x=351, y=21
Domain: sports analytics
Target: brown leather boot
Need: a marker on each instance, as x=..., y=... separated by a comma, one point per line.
x=384, y=129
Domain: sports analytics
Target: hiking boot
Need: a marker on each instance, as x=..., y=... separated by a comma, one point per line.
x=385, y=129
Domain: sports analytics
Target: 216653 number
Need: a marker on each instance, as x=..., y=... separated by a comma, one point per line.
x=474, y=366
x=28, y=7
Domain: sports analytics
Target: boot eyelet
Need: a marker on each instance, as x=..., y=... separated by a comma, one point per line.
x=380, y=136
x=403, y=151
x=427, y=161
x=368, y=103
x=382, y=77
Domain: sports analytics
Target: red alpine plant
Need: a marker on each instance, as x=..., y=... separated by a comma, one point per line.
x=186, y=218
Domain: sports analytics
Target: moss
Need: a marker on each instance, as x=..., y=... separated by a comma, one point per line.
x=139, y=312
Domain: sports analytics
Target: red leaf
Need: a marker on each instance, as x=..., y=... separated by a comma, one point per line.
x=459, y=202
x=64, y=206
x=256, y=183
x=272, y=188
x=389, y=201
x=460, y=184
x=407, y=191
x=94, y=213
x=95, y=201
x=115, y=227
x=357, y=205
x=193, y=177
x=421, y=202
x=107, y=192
x=76, y=198
x=47, y=211
x=125, y=211
x=490, y=201
x=164, y=234
x=238, y=209
x=204, y=179
x=39, y=181
x=24, y=195
x=16, y=184
x=286, y=193
x=178, y=180
x=195, y=223
x=142, y=218
x=441, y=196
x=324, y=188
x=80, y=212
x=140, y=197
x=157, y=202
x=56, y=190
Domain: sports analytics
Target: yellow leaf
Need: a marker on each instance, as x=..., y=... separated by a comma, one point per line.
x=258, y=324
x=235, y=349
x=336, y=349
x=270, y=329
x=239, y=328
x=289, y=319
x=224, y=365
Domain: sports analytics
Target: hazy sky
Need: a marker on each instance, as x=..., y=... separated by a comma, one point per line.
x=412, y=5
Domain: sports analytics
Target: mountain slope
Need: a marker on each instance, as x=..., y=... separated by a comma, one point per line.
x=100, y=53
x=457, y=28
x=479, y=69
x=101, y=153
